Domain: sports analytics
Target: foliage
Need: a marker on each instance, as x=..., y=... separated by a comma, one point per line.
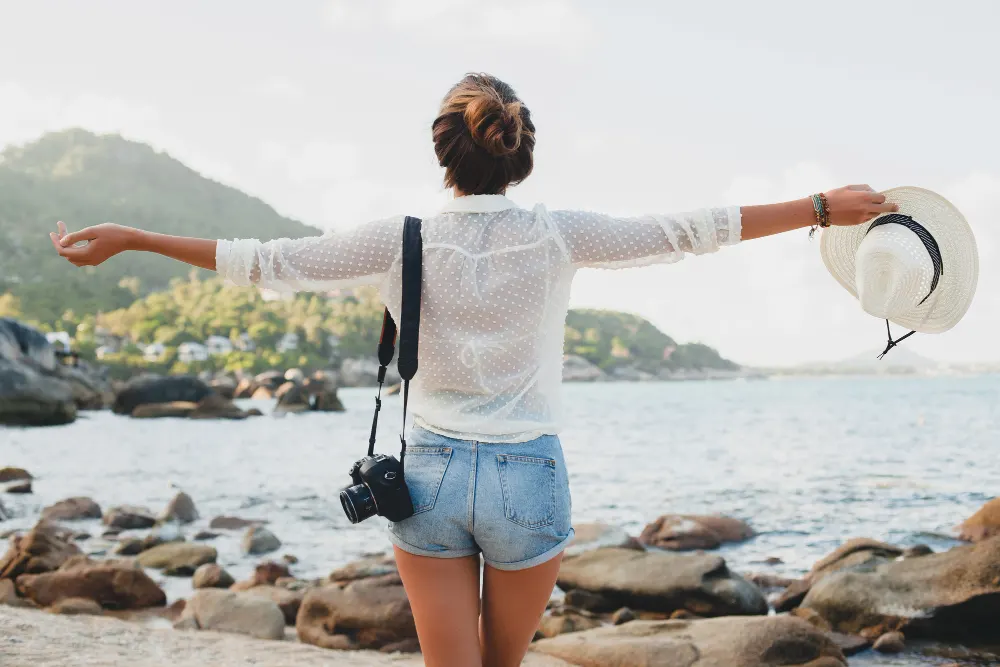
x=85, y=179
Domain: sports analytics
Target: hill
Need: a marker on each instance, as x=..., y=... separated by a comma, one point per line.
x=86, y=179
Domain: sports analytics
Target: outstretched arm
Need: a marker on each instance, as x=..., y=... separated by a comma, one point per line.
x=603, y=241
x=359, y=256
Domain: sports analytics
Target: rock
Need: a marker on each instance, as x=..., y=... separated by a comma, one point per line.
x=177, y=559
x=687, y=532
x=953, y=594
x=552, y=625
x=259, y=540
x=76, y=606
x=129, y=517
x=232, y=523
x=290, y=559
x=917, y=550
x=112, y=584
x=244, y=388
x=224, y=387
x=19, y=488
x=363, y=372
x=411, y=645
x=262, y=394
x=372, y=566
x=982, y=525
x=268, y=572
x=662, y=581
x=9, y=598
x=767, y=582
x=149, y=389
x=215, y=406
x=578, y=369
x=890, y=642
x=203, y=535
x=72, y=509
x=598, y=535
x=270, y=380
x=4, y=513
x=374, y=612
x=720, y=642
x=849, y=644
x=287, y=600
x=131, y=546
x=32, y=389
x=225, y=611
x=42, y=549
x=623, y=615
x=857, y=553
x=180, y=409
x=588, y=601
x=11, y=474
x=181, y=509
x=211, y=575
x=812, y=617
x=254, y=412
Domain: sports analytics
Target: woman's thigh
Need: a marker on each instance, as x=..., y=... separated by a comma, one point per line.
x=444, y=597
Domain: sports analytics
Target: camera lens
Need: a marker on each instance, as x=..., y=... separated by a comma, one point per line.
x=358, y=503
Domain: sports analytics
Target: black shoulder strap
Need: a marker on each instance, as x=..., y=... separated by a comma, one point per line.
x=409, y=329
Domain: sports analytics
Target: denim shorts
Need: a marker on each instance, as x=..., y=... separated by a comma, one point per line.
x=508, y=501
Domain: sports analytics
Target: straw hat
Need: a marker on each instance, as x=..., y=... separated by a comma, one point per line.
x=917, y=267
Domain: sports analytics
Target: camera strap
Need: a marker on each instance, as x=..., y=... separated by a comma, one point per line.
x=408, y=331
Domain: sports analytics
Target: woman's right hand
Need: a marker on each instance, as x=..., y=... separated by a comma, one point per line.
x=102, y=242
x=856, y=204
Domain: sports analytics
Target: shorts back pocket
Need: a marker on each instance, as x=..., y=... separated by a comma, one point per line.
x=529, y=489
x=424, y=470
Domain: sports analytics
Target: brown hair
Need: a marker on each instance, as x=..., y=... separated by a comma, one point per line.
x=483, y=136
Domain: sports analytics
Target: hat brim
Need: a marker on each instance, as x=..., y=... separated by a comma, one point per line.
x=957, y=286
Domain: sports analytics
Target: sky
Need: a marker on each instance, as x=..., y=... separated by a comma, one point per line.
x=323, y=108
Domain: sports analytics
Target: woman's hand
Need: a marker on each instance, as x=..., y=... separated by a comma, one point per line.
x=102, y=242
x=855, y=204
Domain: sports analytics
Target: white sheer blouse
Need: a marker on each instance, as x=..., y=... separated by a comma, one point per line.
x=494, y=298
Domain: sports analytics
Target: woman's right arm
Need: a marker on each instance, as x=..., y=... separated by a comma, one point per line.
x=358, y=256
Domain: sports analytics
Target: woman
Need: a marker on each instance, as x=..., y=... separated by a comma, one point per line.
x=484, y=466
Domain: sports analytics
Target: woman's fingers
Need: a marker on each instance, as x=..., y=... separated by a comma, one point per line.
x=61, y=226
x=883, y=207
x=87, y=234
x=864, y=187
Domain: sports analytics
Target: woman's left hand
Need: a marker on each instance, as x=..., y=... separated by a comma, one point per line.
x=102, y=242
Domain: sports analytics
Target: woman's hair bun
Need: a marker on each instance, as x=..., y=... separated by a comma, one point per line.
x=494, y=124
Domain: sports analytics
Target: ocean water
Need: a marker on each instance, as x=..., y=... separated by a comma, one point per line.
x=808, y=462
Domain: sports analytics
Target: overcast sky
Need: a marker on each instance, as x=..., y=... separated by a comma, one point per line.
x=323, y=109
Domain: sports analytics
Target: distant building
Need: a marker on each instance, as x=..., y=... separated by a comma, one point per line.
x=245, y=343
x=288, y=342
x=152, y=352
x=218, y=345
x=60, y=340
x=188, y=352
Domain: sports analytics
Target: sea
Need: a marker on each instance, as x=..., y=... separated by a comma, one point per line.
x=809, y=463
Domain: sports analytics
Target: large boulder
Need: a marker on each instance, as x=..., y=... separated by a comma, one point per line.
x=176, y=409
x=147, y=389
x=89, y=385
x=232, y=523
x=72, y=509
x=42, y=549
x=722, y=642
x=860, y=553
x=180, y=509
x=259, y=540
x=129, y=517
x=289, y=601
x=578, y=369
x=317, y=393
x=589, y=536
x=951, y=594
x=29, y=397
x=177, y=559
x=661, y=581
x=687, y=532
x=371, y=566
x=12, y=474
x=225, y=611
x=982, y=525
x=215, y=406
x=113, y=584
x=363, y=372
x=211, y=575
x=367, y=613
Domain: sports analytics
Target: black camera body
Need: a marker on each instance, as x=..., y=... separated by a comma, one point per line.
x=377, y=487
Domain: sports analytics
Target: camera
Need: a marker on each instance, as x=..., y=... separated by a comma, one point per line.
x=377, y=487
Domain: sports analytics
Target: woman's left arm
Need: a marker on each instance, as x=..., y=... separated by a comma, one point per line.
x=850, y=205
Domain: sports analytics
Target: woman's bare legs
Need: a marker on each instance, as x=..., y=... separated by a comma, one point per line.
x=513, y=603
x=444, y=596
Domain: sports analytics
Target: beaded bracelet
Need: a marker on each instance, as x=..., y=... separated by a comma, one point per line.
x=821, y=209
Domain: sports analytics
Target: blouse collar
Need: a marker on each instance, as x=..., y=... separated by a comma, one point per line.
x=478, y=204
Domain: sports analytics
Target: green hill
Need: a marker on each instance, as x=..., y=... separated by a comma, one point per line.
x=86, y=179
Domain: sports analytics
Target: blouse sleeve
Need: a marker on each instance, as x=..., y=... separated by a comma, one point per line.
x=604, y=241
x=359, y=256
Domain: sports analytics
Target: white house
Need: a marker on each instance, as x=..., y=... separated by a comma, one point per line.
x=288, y=342
x=245, y=343
x=59, y=340
x=188, y=352
x=153, y=352
x=218, y=345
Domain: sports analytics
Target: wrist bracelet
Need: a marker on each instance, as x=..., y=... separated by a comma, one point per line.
x=821, y=211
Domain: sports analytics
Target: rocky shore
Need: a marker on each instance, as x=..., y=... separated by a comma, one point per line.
x=659, y=598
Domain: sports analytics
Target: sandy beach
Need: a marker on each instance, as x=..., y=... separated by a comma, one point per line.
x=30, y=638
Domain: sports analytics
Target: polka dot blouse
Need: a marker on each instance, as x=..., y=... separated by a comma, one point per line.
x=495, y=294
